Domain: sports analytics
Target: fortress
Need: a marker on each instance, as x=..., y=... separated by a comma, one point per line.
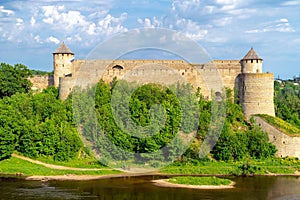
x=253, y=88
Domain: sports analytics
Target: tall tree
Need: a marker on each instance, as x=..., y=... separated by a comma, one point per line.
x=14, y=79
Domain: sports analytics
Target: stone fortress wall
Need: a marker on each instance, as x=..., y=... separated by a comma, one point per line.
x=286, y=145
x=40, y=82
x=253, y=88
x=158, y=71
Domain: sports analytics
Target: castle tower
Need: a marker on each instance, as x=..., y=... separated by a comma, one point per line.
x=62, y=64
x=256, y=89
x=251, y=63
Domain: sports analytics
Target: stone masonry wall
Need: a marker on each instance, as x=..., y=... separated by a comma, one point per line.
x=286, y=145
x=256, y=94
x=41, y=82
x=206, y=76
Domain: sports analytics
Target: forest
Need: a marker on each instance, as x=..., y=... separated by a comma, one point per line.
x=128, y=122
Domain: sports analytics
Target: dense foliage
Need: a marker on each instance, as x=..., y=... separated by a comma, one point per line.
x=287, y=102
x=37, y=125
x=13, y=79
x=239, y=139
x=137, y=119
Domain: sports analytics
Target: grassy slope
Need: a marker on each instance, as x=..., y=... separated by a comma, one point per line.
x=260, y=167
x=282, y=125
x=16, y=165
x=78, y=163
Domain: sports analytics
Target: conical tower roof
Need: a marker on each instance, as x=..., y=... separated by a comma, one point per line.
x=63, y=49
x=252, y=55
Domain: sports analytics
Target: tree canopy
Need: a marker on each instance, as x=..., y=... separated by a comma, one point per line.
x=14, y=79
x=287, y=102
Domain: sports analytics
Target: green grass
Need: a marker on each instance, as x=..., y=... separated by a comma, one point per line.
x=200, y=181
x=15, y=165
x=282, y=125
x=211, y=168
x=77, y=163
x=256, y=167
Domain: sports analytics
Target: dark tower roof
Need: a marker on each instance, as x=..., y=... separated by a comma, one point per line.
x=252, y=55
x=63, y=49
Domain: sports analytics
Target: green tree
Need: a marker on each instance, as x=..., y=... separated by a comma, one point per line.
x=287, y=101
x=14, y=79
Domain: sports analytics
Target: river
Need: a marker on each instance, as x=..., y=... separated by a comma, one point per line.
x=260, y=187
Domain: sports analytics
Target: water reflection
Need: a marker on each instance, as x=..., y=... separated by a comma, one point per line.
x=277, y=188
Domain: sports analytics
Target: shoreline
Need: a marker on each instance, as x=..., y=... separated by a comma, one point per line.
x=73, y=177
x=166, y=183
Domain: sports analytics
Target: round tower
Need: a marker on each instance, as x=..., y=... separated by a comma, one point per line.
x=62, y=64
x=256, y=89
x=251, y=63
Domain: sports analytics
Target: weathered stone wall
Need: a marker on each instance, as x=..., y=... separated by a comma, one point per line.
x=228, y=70
x=209, y=77
x=40, y=82
x=286, y=145
x=65, y=87
x=256, y=92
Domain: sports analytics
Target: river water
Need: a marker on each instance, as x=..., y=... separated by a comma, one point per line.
x=127, y=188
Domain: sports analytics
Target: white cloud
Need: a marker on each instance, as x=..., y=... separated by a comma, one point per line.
x=284, y=20
x=78, y=38
x=192, y=8
x=291, y=3
x=111, y=25
x=6, y=11
x=242, y=13
x=73, y=21
x=38, y=39
x=20, y=23
x=284, y=28
x=52, y=39
x=92, y=29
x=148, y=23
x=32, y=21
x=253, y=31
x=281, y=25
x=222, y=21
x=191, y=29
x=56, y=15
x=226, y=2
x=229, y=5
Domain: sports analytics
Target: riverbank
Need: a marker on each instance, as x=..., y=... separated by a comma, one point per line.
x=269, y=167
x=29, y=169
x=21, y=167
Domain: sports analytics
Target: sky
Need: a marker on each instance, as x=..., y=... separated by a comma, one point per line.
x=31, y=30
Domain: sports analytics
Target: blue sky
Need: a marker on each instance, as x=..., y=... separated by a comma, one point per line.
x=31, y=30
